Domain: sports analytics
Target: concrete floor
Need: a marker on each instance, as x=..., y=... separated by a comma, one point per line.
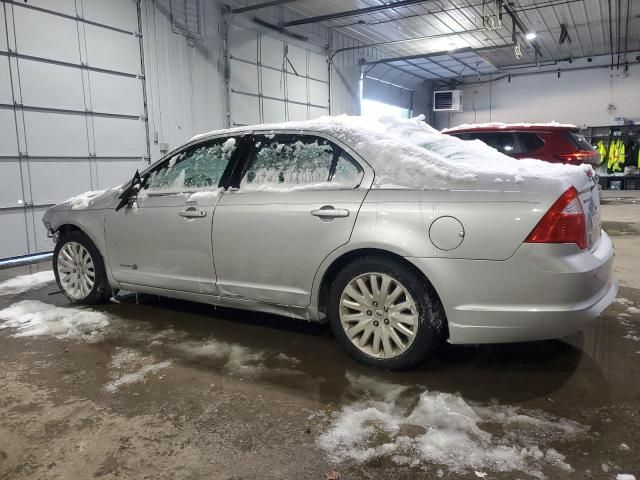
x=183, y=391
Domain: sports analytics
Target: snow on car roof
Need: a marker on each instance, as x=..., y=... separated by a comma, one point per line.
x=409, y=153
x=500, y=125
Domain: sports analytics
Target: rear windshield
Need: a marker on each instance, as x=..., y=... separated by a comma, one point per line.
x=580, y=142
x=509, y=143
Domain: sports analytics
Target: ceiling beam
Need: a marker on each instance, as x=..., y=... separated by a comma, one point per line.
x=435, y=54
x=406, y=72
x=355, y=12
x=258, y=6
x=406, y=40
x=417, y=65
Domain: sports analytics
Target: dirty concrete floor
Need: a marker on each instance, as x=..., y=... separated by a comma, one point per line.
x=178, y=390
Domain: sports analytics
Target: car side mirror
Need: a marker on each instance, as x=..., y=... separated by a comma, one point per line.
x=131, y=193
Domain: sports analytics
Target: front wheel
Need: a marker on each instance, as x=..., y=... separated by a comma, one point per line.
x=384, y=314
x=79, y=269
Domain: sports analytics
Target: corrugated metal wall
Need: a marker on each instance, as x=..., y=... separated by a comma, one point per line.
x=185, y=76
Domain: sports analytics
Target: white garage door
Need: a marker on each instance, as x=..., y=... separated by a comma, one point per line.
x=292, y=83
x=72, y=108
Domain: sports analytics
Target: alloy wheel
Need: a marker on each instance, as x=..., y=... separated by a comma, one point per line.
x=378, y=315
x=76, y=270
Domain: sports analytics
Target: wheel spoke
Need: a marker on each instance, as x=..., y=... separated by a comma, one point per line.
x=364, y=289
x=393, y=296
x=375, y=289
x=376, y=341
x=394, y=309
x=403, y=318
x=358, y=328
x=350, y=304
x=384, y=334
x=355, y=295
x=396, y=339
x=366, y=335
x=402, y=329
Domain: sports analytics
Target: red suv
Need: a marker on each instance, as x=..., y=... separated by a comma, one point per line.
x=551, y=143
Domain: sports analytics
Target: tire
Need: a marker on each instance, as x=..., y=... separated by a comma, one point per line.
x=424, y=316
x=96, y=289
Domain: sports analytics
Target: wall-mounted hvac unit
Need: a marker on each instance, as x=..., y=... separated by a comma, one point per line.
x=447, y=101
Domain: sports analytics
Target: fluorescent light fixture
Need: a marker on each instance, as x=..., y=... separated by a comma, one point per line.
x=531, y=36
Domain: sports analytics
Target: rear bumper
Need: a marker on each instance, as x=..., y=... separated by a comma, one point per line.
x=542, y=292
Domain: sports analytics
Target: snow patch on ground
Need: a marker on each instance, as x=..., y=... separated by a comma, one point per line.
x=234, y=359
x=24, y=283
x=137, y=376
x=414, y=428
x=625, y=476
x=34, y=318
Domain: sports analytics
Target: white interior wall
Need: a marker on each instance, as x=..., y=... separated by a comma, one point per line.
x=580, y=97
x=184, y=77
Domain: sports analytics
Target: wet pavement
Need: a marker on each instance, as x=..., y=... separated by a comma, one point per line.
x=156, y=388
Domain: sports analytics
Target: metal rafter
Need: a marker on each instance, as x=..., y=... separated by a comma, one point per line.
x=355, y=12
x=258, y=6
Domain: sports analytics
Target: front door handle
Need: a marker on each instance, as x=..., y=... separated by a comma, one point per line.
x=328, y=211
x=192, y=212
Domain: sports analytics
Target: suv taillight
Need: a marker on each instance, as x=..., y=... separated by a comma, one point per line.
x=580, y=156
x=563, y=223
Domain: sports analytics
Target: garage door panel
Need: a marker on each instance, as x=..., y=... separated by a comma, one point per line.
x=3, y=32
x=116, y=94
x=119, y=137
x=116, y=172
x=14, y=233
x=244, y=77
x=8, y=139
x=315, y=112
x=318, y=93
x=112, y=50
x=115, y=13
x=54, y=134
x=297, y=88
x=63, y=85
x=272, y=52
x=273, y=110
x=244, y=109
x=55, y=181
x=298, y=58
x=297, y=112
x=56, y=39
x=318, y=68
x=68, y=7
x=11, y=191
x=5, y=82
x=243, y=44
x=272, y=83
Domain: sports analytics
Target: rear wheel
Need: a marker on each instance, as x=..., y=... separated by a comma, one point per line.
x=79, y=269
x=384, y=314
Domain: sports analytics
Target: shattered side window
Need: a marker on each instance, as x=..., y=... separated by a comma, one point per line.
x=195, y=169
x=290, y=160
x=347, y=172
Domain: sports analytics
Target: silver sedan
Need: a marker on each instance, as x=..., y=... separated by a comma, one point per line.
x=392, y=244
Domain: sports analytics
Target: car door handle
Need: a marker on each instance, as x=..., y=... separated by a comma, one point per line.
x=192, y=212
x=330, y=212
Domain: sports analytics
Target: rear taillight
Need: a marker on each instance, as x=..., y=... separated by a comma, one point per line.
x=580, y=156
x=563, y=223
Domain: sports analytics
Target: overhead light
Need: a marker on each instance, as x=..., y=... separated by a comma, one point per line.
x=531, y=36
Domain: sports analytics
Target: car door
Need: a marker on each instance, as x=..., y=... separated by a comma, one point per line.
x=163, y=239
x=297, y=199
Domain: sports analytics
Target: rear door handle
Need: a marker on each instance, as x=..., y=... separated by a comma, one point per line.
x=192, y=212
x=329, y=211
